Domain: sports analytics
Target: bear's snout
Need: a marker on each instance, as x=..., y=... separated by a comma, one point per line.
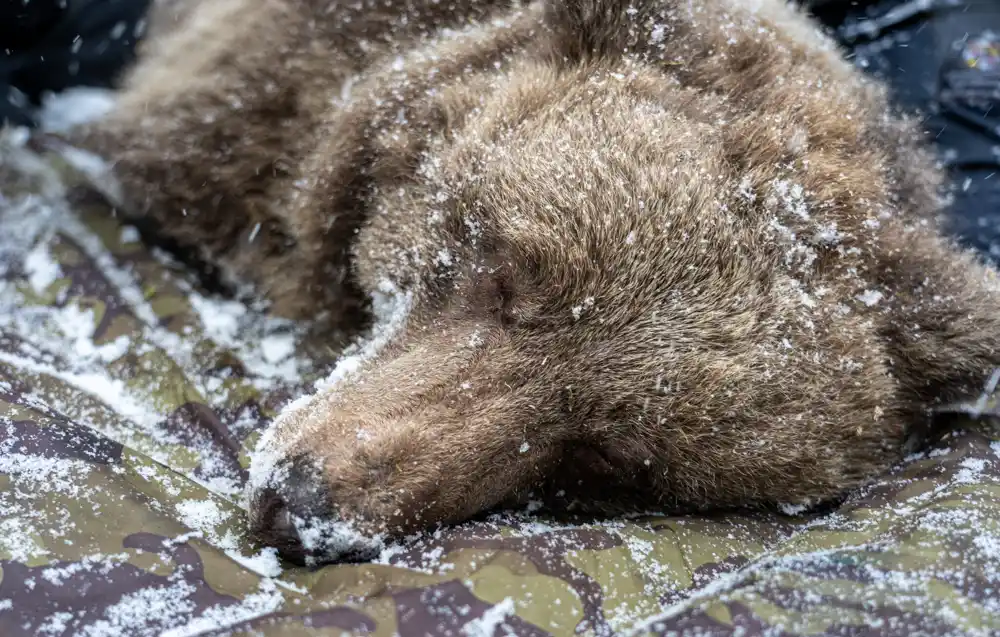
x=295, y=514
x=272, y=523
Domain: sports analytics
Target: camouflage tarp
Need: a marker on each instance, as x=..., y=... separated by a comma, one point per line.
x=129, y=402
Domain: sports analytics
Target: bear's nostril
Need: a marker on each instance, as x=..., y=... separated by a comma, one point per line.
x=275, y=527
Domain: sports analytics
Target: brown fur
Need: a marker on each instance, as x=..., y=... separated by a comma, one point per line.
x=645, y=243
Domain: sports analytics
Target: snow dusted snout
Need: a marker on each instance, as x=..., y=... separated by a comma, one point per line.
x=293, y=514
x=289, y=507
x=395, y=448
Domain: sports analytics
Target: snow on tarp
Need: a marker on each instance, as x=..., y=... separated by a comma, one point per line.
x=130, y=403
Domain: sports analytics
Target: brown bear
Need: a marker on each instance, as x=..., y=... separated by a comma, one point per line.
x=639, y=254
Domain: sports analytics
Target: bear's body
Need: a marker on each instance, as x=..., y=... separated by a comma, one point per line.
x=657, y=253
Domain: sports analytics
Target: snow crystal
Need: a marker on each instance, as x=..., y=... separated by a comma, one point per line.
x=41, y=268
x=793, y=509
x=55, y=624
x=277, y=348
x=827, y=234
x=475, y=340
x=265, y=563
x=200, y=515
x=793, y=197
x=112, y=392
x=101, y=563
x=487, y=624
x=17, y=540
x=204, y=516
x=267, y=600
x=265, y=352
x=870, y=297
x=334, y=537
x=578, y=310
x=162, y=606
x=220, y=319
x=988, y=544
x=57, y=474
x=78, y=324
x=129, y=234
x=444, y=258
x=971, y=471
x=118, y=30
x=74, y=106
x=253, y=233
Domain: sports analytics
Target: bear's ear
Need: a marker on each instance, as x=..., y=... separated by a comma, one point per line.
x=595, y=29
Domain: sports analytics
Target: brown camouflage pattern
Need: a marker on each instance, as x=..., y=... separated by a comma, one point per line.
x=125, y=519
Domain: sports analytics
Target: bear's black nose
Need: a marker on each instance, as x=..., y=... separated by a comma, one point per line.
x=273, y=525
x=294, y=515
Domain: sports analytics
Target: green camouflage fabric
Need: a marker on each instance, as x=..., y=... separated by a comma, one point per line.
x=129, y=403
